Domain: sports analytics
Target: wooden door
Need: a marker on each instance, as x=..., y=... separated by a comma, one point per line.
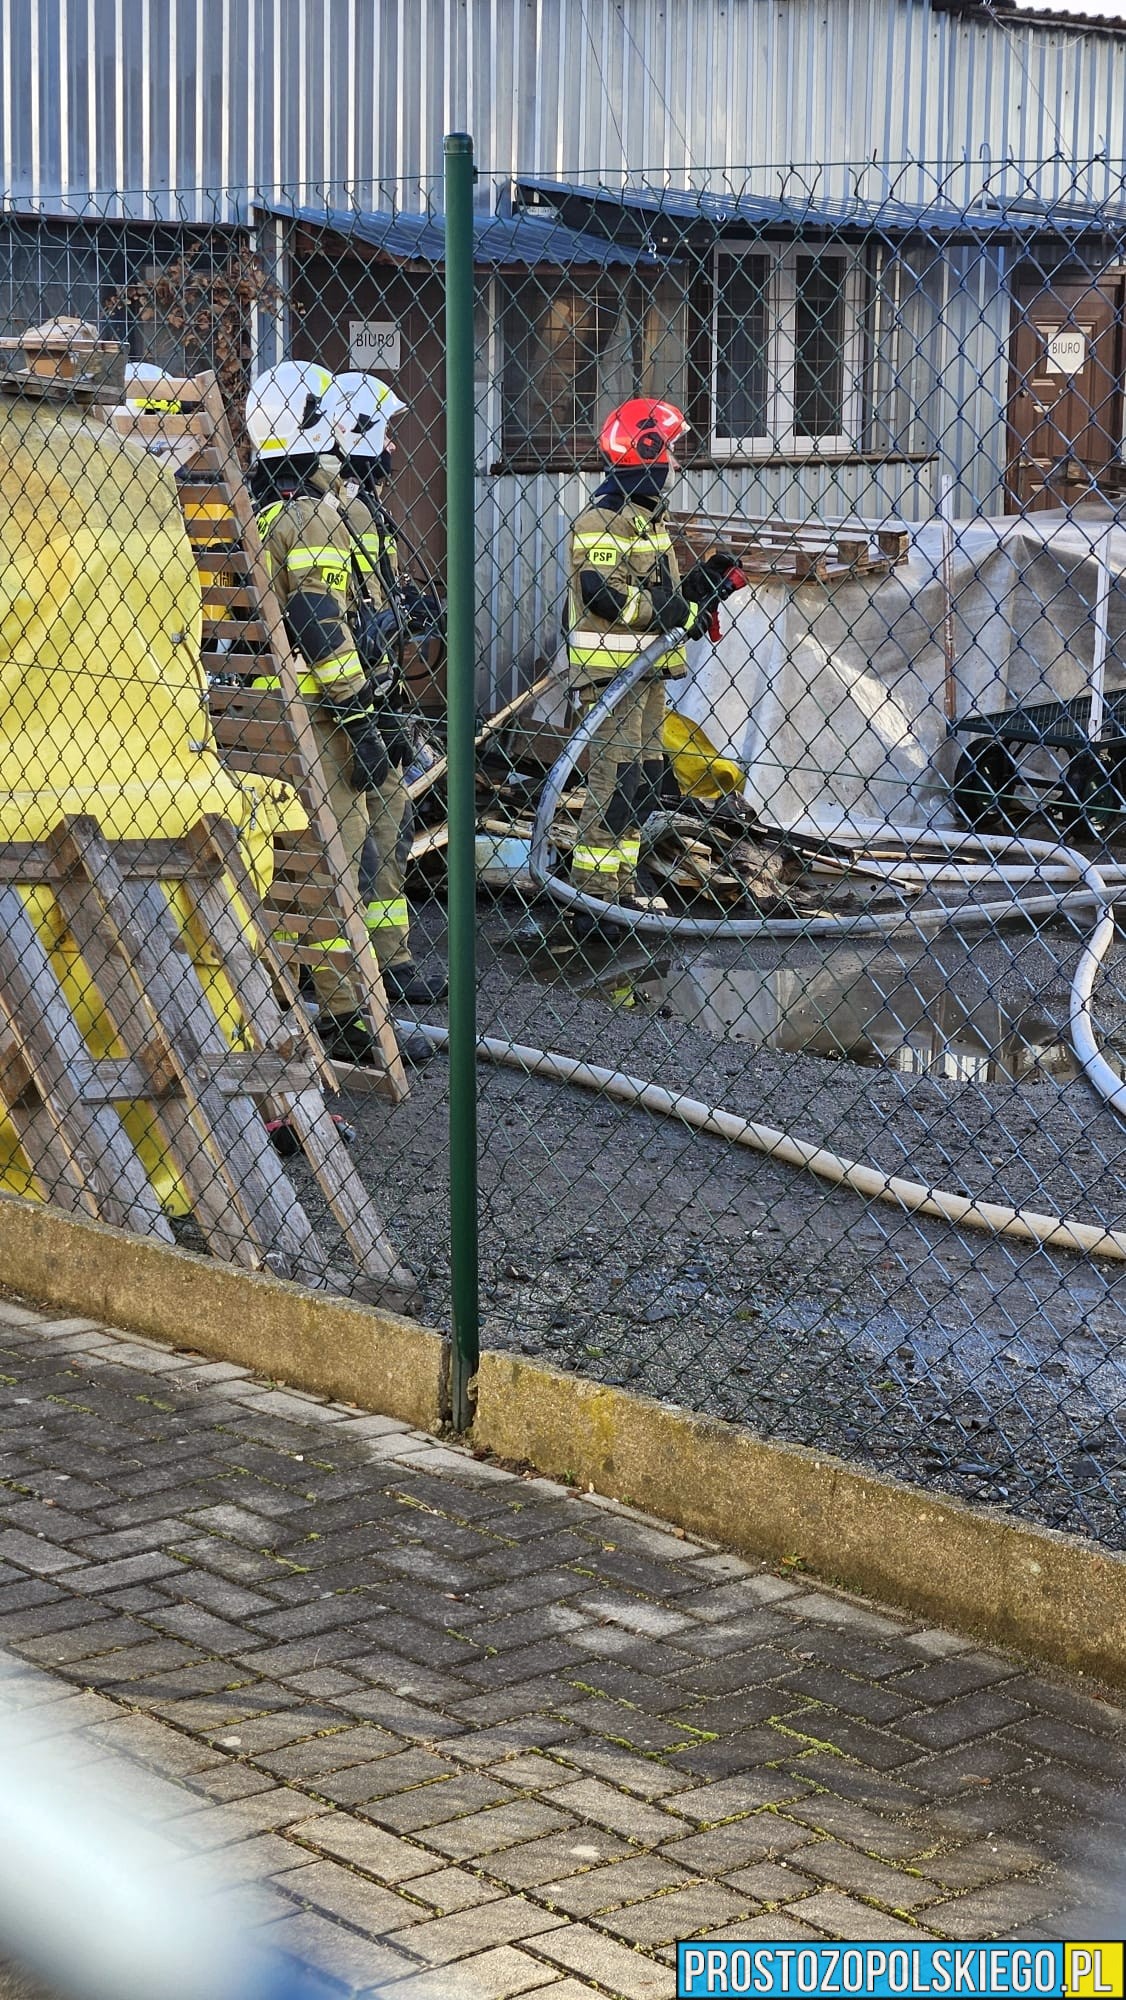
x=331, y=294
x=1065, y=396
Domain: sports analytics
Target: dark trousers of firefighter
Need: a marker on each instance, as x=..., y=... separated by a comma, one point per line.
x=337, y=989
x=622, y=779
x=383, y=870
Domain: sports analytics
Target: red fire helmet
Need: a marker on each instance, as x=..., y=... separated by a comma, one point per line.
x=640, y=432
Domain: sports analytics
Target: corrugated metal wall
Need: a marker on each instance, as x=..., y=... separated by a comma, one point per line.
x=178, y=98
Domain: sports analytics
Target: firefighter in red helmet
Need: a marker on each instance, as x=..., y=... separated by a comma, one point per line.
x=625, y=591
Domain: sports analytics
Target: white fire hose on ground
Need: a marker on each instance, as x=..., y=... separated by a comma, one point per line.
x=1090, y=889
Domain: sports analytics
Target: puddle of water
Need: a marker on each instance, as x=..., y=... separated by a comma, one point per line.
x=868, y=1008
x=860, y=1005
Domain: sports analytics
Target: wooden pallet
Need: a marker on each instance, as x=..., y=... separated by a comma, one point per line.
x=206, y=1101
x=244, y=637
x=796, y=551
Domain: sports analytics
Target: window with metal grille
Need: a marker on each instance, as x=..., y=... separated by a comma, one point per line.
x=48, y=270
x=787, y=351
x=575, y=348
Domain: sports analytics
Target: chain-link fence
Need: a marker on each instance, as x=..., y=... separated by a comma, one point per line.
x=797, y=808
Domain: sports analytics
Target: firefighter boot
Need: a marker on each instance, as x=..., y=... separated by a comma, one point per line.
x=348, y=1038
x=417, y=985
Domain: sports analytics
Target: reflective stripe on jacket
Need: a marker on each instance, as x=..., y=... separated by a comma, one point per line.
x=596, y=653
x=308, y=549
x=630, y=549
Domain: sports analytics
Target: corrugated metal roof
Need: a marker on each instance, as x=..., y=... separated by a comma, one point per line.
x=1019, y=14
x=663, y=215
x=499, y=241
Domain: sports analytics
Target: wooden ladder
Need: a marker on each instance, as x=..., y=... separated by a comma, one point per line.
x=128, y=910
x=311, y=899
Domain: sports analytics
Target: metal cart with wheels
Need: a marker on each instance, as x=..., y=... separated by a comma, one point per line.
x=993, y=786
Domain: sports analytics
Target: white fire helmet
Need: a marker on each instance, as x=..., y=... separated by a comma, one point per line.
x=361, y=407
x=285, y=411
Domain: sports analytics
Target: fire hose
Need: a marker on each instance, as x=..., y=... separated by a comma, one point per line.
x=1091, y=889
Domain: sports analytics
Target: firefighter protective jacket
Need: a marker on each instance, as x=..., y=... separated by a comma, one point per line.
x=628, y=547
x=308, y=550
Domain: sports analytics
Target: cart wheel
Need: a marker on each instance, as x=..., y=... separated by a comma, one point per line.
x=1092, y=797
x=985, y=784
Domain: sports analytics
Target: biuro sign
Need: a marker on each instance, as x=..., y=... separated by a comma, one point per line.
x=1066, y=350
x=374, y=345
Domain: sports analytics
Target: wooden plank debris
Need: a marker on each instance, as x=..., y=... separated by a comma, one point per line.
x=795, y=551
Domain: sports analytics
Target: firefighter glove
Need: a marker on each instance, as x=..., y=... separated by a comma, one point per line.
x=716, y=578
x=395, y=728
x=673, y=608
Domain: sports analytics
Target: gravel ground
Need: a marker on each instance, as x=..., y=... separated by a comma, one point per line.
x=629, y=1247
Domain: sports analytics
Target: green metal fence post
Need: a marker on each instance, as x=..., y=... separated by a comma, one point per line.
x=461, y=704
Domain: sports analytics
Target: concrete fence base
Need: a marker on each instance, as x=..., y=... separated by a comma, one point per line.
x=977, y=1569
x=1048, y=1595
x=312, y=1340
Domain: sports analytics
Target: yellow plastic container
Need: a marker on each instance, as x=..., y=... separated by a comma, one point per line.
x=701, y=772
x=103, y=701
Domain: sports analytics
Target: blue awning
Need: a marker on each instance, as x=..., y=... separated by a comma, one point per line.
x=664, y=217
x=499, y=241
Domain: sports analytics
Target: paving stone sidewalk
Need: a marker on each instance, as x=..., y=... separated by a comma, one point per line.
x=427, y=1713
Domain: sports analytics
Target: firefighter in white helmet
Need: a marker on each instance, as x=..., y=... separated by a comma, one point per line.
x=308, y=550
x=361, y=407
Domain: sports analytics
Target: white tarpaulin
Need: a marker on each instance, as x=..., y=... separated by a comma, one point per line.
x=831, y=695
